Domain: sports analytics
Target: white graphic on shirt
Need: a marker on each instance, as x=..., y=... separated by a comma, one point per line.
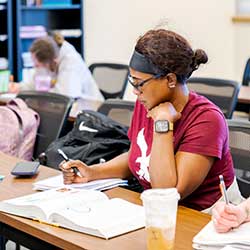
x=143, y=160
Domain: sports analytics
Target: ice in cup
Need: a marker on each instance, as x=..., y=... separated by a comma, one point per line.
x=160, y=210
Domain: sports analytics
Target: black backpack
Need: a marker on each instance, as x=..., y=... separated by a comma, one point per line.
x=94, y=138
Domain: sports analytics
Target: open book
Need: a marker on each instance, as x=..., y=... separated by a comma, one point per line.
x=57, y=181
x=209, y=239
x=86, y=211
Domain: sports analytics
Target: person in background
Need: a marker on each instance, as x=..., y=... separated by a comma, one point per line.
x=225, y=217
x=178, y=138
x=57, y=60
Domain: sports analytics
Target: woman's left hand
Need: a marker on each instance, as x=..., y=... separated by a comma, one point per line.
x=164, y=111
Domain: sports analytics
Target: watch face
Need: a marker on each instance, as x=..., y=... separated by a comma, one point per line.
x=161, y=126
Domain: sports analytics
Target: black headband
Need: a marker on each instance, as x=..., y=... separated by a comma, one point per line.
x=141, y=63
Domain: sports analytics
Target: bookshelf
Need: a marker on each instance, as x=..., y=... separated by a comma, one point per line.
x=63, y=16
x=6, y=34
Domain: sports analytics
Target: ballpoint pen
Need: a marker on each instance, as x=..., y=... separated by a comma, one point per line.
x=223, y=189
x=66, y=158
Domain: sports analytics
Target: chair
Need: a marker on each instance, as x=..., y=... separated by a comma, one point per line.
x=53, y=110
x=119, y=110
x=111, y=78
x=246, y=74
x=223, y=93
x=239, y=141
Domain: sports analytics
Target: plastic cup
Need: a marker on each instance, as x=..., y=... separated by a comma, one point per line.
x=160, y=212
x=42, y=82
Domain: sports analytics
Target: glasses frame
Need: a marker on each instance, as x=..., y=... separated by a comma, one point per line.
x=139, y=85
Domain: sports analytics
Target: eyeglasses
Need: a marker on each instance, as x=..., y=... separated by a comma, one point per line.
x=138, y=85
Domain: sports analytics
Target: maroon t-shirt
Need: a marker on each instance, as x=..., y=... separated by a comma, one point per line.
x=202, y=130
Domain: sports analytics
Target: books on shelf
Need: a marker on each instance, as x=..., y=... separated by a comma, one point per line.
x=209, y=239
x=57, y=181
x=34, y=31
x=86, y=211
x=57, y=2
x=69, y=32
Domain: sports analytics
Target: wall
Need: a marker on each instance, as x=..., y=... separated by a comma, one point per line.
x=112, y=27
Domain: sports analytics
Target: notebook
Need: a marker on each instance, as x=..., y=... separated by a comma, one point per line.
x=209, y=239
x=57, y=181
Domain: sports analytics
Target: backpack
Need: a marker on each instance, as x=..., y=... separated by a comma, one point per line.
x=94, y=138
x=18, y=129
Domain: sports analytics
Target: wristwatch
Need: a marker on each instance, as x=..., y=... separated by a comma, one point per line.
x=163, y=126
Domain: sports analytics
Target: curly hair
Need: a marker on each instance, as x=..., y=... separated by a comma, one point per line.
x=170, y=52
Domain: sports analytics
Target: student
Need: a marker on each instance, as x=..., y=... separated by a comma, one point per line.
x=178, y=138
x=69, y=75
x=225, y=217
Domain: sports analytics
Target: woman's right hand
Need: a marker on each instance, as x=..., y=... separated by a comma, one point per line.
x=225, y=217
x=69, y=176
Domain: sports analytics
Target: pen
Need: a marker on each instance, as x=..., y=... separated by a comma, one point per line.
x=47, y=223
x=223, y=189
x=66, y=158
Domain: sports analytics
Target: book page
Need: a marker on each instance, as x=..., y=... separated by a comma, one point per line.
x=106, y=219
x=41, y=205
x=209, y=236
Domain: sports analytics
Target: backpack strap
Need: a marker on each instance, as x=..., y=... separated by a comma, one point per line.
x=18, y=102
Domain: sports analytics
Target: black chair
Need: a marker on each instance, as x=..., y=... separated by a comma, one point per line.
x=246, y=74
x=223, y=93
x=119, y=110
x=111, y=78
x=53, y=110
x=239, y=137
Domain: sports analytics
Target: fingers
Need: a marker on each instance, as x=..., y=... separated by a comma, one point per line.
x=68, y=177
x=220, y=228
x=71, y=176
x=224, y=217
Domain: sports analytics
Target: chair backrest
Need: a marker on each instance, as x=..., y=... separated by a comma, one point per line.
x=246, y=74
x=239, y=141
x=223, y=93
x=111, y=78
x=119, y=110
x=53, y=110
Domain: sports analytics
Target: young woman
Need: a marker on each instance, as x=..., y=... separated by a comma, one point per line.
x=68, y=74
x=178, y=138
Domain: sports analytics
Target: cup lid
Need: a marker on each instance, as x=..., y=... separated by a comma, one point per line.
x=160, y=194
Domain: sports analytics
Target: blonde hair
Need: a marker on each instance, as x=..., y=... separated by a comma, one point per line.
x=59, y=39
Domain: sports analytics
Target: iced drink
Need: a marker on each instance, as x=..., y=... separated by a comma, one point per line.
x=42, y=82
x=161, y=209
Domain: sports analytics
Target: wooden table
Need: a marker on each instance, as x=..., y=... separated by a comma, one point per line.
x=244, y=95
x=189, y=221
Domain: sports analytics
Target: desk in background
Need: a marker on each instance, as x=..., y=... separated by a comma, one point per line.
x=189, y=222
x=243, y=103
x=244, y=95
x=82, y=104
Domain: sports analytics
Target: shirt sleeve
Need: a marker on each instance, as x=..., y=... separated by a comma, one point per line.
x=27, y=86
x=207, y=135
